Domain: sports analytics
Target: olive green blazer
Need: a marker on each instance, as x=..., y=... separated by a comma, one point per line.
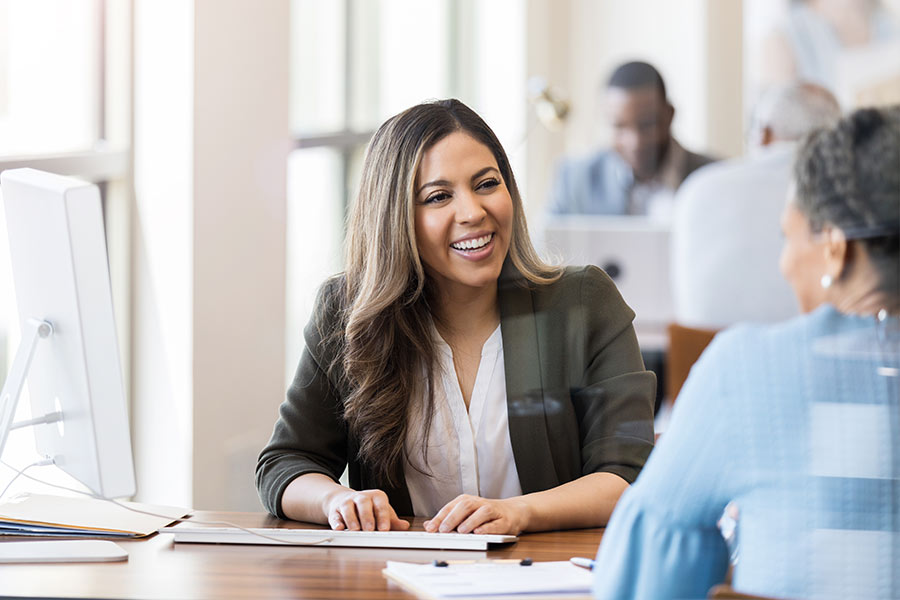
x=579, y=400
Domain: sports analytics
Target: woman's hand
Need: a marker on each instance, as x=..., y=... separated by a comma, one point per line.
x=367, y=510
x=473, y=514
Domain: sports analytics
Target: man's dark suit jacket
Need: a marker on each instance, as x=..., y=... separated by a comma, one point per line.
x=578, y=398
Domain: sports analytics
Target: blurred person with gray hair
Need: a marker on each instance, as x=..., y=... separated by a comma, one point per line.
x=790, y=111
x=725, y=238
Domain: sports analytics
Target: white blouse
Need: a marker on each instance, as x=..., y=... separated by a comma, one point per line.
x=469, y=452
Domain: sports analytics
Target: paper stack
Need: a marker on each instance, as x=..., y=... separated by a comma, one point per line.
x=492, y=579
x=59, y=516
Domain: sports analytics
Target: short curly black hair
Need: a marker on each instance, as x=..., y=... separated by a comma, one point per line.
x=637, y=74
x=848, y=177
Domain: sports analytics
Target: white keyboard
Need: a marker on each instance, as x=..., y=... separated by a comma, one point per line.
x=324, y=537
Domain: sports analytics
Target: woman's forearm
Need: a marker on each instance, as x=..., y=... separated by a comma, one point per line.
x=307, y=496
x=586, y=502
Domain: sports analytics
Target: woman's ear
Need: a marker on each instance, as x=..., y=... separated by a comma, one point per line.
x=836, y=252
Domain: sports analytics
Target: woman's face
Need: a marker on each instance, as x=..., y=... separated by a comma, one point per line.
x=802, y=258
x=463, y=213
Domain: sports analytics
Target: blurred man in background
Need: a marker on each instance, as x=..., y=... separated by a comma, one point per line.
x=640, y=173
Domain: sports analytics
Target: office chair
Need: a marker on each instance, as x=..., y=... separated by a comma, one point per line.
x=686, y=344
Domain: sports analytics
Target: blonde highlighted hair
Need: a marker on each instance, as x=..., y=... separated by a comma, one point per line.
x=383, y=345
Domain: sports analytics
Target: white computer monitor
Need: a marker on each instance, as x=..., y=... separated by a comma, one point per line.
x=61, y=277
x=633, y=250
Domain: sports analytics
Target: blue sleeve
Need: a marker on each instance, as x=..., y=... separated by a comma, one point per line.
x=662, y=540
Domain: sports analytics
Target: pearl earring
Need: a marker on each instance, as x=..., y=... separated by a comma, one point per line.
x=826, y=281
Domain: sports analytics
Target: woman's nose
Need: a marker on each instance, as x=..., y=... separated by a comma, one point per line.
x=469, y=208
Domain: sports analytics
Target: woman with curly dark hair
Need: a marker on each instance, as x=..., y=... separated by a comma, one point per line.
x=797, y=424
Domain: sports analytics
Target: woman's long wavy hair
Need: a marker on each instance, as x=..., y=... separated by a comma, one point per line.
x=383, y=342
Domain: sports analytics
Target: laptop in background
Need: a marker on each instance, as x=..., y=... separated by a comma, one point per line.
x=633, y=250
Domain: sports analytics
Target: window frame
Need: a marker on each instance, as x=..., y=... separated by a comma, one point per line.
x=108, y=163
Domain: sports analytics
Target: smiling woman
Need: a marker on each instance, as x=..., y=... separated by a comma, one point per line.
x=457, y=375
x=463, y=216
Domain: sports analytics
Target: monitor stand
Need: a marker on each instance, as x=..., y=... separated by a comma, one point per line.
x=42, y=551
x=33, y=331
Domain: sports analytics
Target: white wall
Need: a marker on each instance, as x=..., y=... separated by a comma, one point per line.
x=724, y=85
x=241, y=142
x=211, y=142
x=547, y=56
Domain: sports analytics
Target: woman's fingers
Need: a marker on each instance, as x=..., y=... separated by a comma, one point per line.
x=335, y=521
x=482, y=515
x=395, y=522
x=367, y=510
x=453, y=513
x=472, y=514
x=383, y=512
x=347, y=510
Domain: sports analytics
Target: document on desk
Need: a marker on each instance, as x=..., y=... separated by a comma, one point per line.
x=492, y=579
x=60, y=516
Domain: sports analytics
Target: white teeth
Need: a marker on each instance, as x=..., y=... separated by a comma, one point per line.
x=474, y=243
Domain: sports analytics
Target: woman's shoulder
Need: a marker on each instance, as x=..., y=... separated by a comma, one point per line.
x=577, y=281
x=586, y=287
x=326, y=315
x=785, y=338
x=331, y=291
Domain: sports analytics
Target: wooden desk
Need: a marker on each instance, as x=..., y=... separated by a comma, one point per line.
x=158, y=568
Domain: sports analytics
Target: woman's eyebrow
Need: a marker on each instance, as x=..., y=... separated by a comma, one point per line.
x=484, y=171
x=435, y=183
x=440, y=182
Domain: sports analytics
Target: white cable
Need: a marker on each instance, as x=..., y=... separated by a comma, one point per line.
x=46, y=419
x=152, y=514
x=222, y=523
x=20, y=472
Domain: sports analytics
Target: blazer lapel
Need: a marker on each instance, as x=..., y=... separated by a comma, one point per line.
x=524, y=387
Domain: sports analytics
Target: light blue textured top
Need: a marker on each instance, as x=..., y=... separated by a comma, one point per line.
x=798, y=424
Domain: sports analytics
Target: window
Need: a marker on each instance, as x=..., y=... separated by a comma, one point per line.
x=65, y=108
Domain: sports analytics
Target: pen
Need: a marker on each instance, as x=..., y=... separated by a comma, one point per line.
x=578, y=561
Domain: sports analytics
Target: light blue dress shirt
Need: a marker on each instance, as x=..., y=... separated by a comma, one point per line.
x=798, y=424
x=599, y=184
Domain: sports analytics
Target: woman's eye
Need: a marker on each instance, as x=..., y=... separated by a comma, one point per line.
x=488, y=184
x=436, y=197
